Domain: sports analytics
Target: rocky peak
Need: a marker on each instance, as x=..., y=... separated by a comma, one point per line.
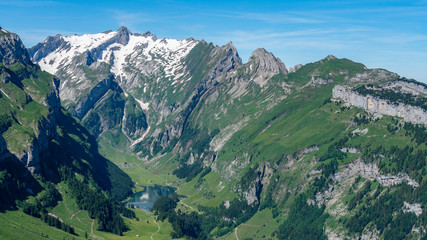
x=147, y=34
x=123, y=35
x=12, y=50
x=232, y=53
x=330, y=57
x=43, y=49
x=264, y=61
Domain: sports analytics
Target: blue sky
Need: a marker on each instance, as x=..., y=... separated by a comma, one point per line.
x=381, y=34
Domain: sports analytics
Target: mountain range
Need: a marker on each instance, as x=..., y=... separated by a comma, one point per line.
x=329, y=149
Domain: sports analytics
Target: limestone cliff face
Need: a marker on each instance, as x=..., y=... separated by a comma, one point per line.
x=84, y=104
x=223, y=61
x=41, y=50
x=45, y=133
x=263, y=65
x=12, y=50
x=36, y=128
x=253, y=194
x=373, y=104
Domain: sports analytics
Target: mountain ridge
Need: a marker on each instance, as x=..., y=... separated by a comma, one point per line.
x=42, y=146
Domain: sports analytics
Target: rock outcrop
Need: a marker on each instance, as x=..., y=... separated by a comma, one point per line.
x=49, y=45
x=358, y=167
x=263, y=65
x=87, y=102
x=12, y=50
x=414, y=208
x=295, y=68
x=373, y=104
x=40, y=127
x=370, y=171
x=252, y=195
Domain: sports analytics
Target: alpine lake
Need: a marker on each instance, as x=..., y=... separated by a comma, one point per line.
x=146, y=198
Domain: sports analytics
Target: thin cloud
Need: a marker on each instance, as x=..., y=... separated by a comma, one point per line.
x=277, y=18
x=272, y=18
x=131, y=19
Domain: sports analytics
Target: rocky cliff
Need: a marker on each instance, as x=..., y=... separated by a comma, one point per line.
x=374, y=104
x=12, y=50
x=38, y=137
x=30, y=102
x=263, y=65
x=110, y=71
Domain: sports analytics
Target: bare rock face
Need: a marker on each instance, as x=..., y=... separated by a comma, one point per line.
x=252, y=195
x=373, y=104
x=371, y=172
x=227, y=60
x=264, y=65
x=12, y=50
x=406, y=87
x=43, y=49
x=87, y=102
x=46, y=128
x=414, y=208
x=230, y=61
x=43, y=130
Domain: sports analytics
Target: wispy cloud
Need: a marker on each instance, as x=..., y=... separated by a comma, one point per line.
x=316, y=37
x=131, y=19
x=321, y=16
x=277, y=18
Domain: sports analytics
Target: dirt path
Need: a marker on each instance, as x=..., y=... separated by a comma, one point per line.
x=53, y=215
x=75, y=215
x=158, y=229
x=188, y=206
x=93, y=234
x=235, y=233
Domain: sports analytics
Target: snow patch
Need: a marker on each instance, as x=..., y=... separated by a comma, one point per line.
x=144, y=106
x=78, y=45
x=145, y=54
x=142, y=137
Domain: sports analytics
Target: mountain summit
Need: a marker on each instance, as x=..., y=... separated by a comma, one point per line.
x=12, y=49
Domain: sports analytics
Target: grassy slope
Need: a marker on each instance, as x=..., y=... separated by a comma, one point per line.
x=23, y=98
x=18, y=225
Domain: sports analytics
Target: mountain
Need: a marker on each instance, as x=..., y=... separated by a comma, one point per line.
x=42, y=147
x=330, y=149
x=117, y=81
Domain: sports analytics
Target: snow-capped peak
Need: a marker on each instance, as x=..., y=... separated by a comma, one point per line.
x=119, y=48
